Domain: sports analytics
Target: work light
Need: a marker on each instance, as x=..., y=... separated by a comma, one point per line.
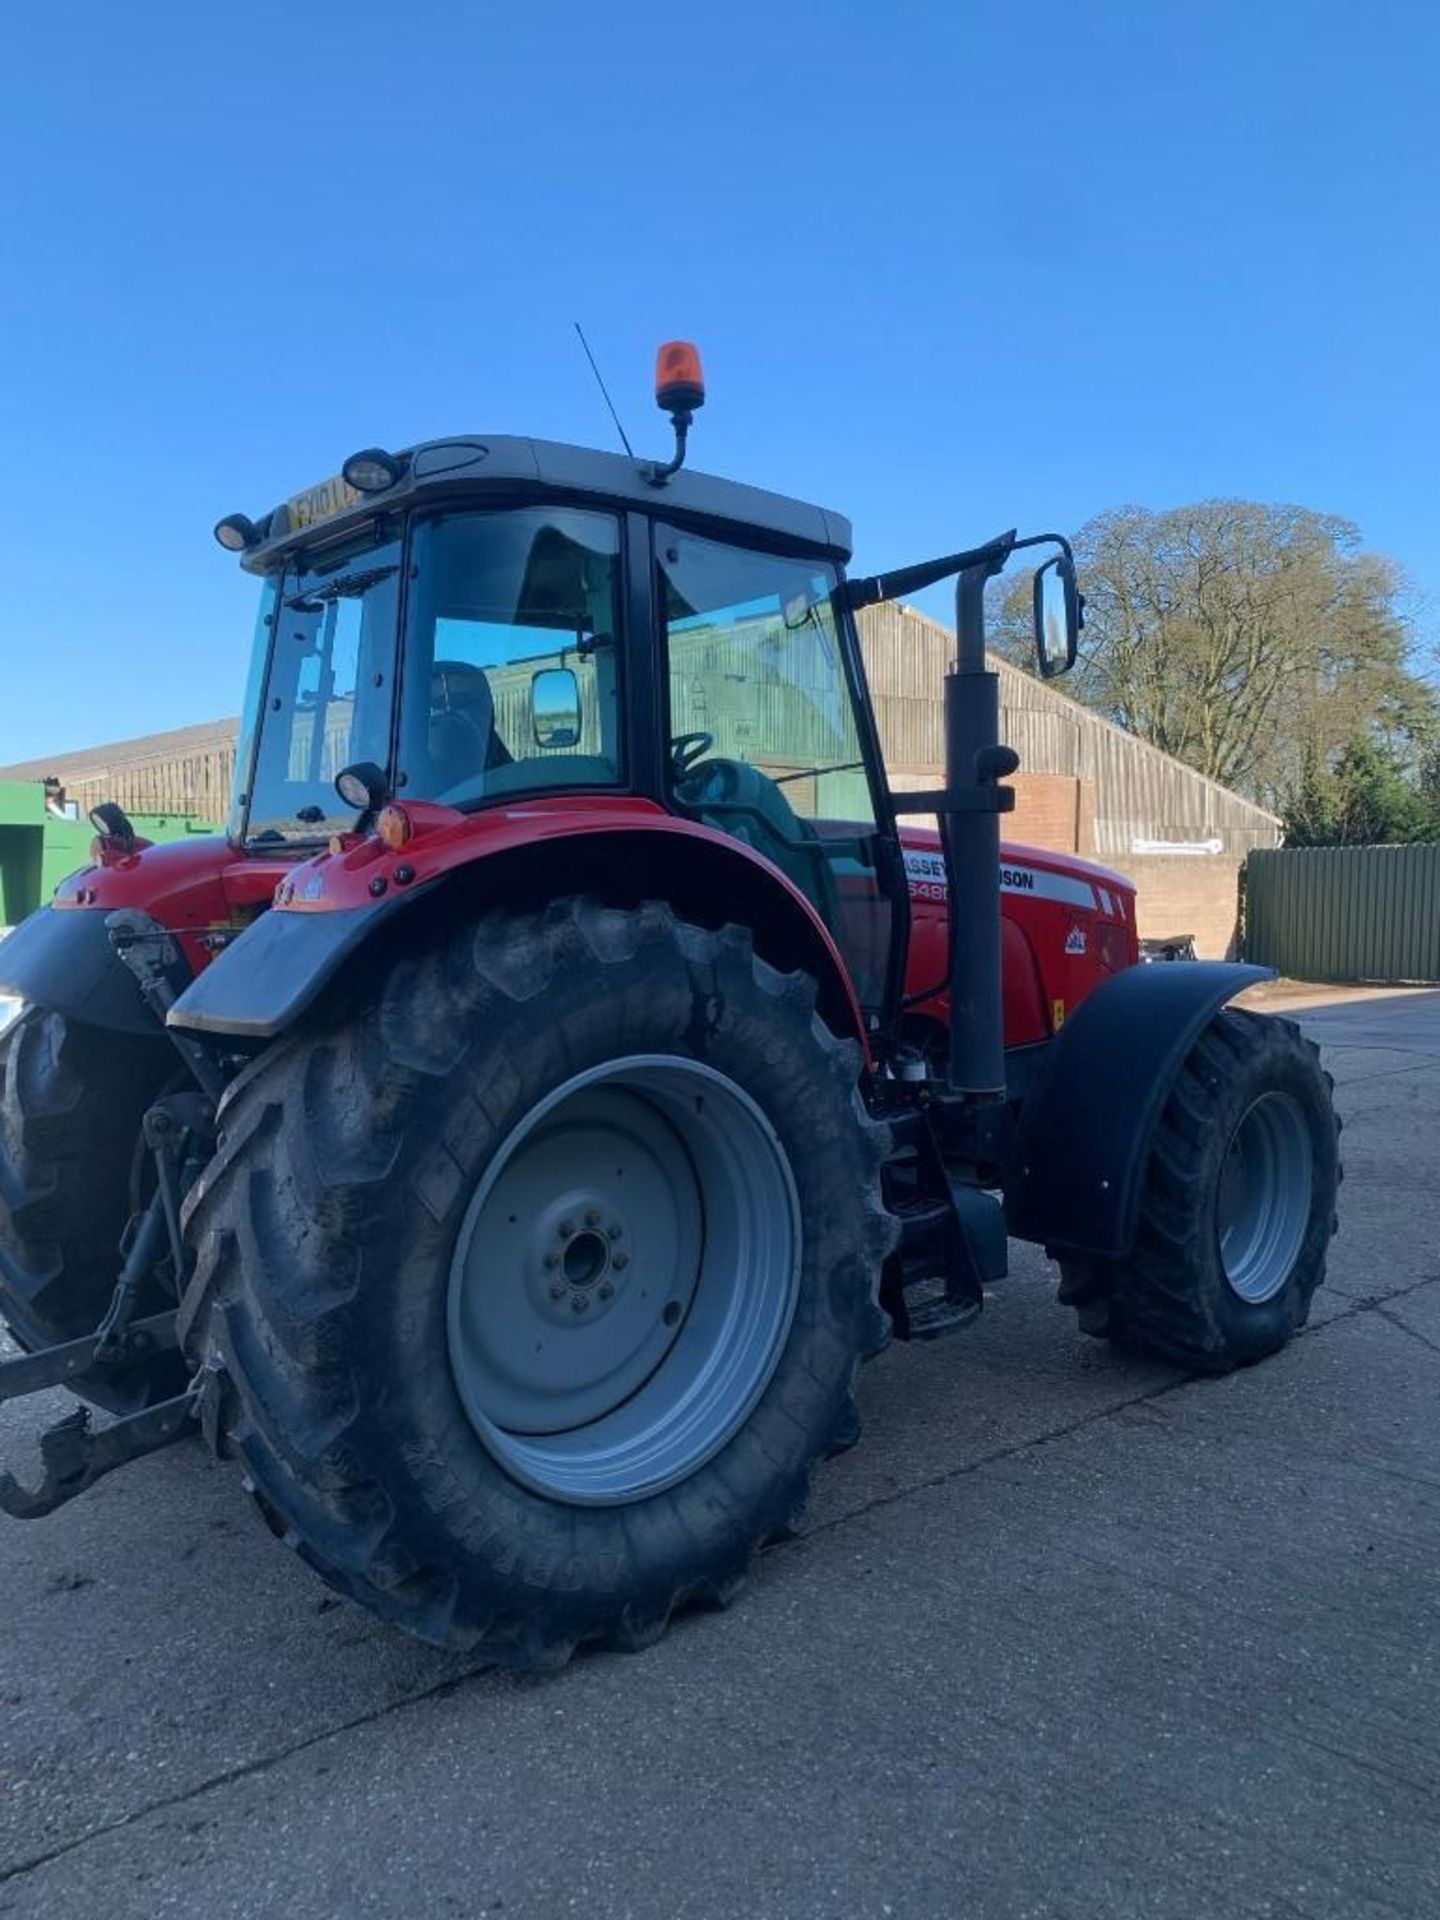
x=372, y=470
x=237, y=532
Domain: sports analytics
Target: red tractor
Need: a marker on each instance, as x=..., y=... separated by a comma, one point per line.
x=511, y=1137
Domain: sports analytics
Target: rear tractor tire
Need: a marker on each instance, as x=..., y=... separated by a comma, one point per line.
x=537, y=1283
x=1237, y=1209
x=71, y=1101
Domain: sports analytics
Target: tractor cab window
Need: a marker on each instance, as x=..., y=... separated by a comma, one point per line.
x=511, y=667
x=326, y=696
x=764, y=739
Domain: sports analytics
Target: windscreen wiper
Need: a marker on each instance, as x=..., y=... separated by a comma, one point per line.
x=349, y=586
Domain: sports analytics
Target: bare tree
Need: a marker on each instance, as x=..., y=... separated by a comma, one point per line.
x=1237, y=635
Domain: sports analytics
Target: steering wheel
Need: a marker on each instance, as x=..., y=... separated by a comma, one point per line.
x=686, y=749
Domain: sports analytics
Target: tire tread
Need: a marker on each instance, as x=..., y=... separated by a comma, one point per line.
x=1155, y=1301
x=296, y=1184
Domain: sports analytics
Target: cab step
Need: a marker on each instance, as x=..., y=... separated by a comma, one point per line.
x=925, y=1226
x=933, y=1313
x=950, y=1249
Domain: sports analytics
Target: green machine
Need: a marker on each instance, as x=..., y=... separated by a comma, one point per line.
x=40, y=844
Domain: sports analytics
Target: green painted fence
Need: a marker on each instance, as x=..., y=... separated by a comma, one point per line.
x=1347, y=914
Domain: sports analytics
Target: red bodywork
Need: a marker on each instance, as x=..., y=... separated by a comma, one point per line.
x=201, y=888
x=1067, y=923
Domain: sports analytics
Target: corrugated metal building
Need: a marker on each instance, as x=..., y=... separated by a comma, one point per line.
x=188, y=770
x=1084, y=784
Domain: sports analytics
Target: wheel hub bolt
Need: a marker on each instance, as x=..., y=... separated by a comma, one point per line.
x=606, y=1291
x=620, y=1260
x=557, y=1290
x=592, y=1218
x=614, y=1232
x=552, y=1259
x=579, y=1301
x=567, y=1227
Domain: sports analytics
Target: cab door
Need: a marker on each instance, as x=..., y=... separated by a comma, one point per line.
x=769, y=741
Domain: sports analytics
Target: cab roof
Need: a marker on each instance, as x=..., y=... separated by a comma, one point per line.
x=477, y=467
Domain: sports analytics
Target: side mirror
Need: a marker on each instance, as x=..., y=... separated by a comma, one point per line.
x=555, y=708
x=1058, y=616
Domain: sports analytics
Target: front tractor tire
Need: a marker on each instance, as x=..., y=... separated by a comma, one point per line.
x=538, y=1280
x=1237, y=1208
x=72, y=1098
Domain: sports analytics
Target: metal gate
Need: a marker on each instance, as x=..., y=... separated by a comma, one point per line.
x=1347, y=914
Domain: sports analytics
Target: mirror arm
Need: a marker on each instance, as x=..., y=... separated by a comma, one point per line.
x=1047, y=540
x=970, y=613
x=876, y=587
x=890, y=586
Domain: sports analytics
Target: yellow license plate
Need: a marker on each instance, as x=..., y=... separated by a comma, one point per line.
x=322, y=502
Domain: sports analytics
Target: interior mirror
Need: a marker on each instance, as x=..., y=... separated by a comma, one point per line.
x=1057, y=616
x=555, y=707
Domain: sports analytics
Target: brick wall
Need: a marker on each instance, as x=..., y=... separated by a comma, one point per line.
x=1052, y=810
x=1188, y=893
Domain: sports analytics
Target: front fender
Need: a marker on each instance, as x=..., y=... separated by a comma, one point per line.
x=1083, y=1140
x=65, y=963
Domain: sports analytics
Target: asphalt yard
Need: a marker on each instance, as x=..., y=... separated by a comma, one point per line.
x=1068, y=1635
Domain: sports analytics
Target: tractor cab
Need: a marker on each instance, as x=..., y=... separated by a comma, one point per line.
x=493, y=624
x=503, y=682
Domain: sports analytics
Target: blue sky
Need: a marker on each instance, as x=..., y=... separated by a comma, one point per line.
x=952, y=267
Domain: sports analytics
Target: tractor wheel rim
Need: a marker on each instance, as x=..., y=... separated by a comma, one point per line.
x=624, y=1280
x=1266, y=1182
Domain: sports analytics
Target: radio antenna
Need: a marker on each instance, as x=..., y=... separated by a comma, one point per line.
x=600, y=382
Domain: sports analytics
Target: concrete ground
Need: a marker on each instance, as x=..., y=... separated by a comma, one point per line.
x=1069, y=1635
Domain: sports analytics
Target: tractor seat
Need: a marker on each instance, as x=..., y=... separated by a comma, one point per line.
x=462, y=737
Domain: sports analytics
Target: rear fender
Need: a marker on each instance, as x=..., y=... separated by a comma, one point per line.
x=1083, y=1139
x=276, y=971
